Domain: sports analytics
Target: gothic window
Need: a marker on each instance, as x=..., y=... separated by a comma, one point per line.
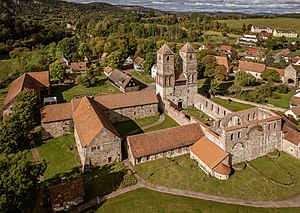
x=166, y=81
x=206, y=103
x=169, y=81
x=159, y=58
x=224, y=112
x=212, y=107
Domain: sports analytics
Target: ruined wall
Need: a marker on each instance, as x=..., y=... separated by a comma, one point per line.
x=241, y=117
x=209, y=107
x=131, y=113
x=55, y=129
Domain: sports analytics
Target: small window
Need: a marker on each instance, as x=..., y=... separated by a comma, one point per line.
x=275, y=125
x=191, y=56
x=109, y=159
x=232, y=137
x=98, y=147
x=239, y=135
x=168, y=58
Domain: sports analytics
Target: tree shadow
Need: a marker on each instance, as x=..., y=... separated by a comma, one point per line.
x=57, y=91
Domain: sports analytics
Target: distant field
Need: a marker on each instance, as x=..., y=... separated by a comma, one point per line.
x=280, y=23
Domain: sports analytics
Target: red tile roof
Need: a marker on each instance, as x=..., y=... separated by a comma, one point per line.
x=31, y=80
x=164, y=140
x=138, y=60
x=56, y=112
x=223, y=60
x=107, y=69
x=78, y=66
x=280, y=71
x=208, y=152
x=292, y=136
x=130, y=99
x=89, y=120
x=222, y=169
x=295, y=101
x=226, y=48
x=296, y=111
x=251, y=66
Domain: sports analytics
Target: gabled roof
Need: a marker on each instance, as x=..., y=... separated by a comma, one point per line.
x=79, y=66
x=292, y=136
x=107, y=70
x=31, y=80
x=89, y=120
x=165, y=50
x=124, y=100
x=226, y=48
x=119, y=78
x=188, y=48
x=280, y=71
x=251, y=66
x=208, y=152
x=138, y=60
x=293, y=68
x=296, y=111
x=56, y=112
x=223, y=60
x=164, y=140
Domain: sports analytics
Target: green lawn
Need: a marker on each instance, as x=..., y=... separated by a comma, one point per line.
x=65, y=93
x=167, y=123
x=144, y=77
x=145, y=200
x=128, y=126
x=183, y=173
x=193, y=111
x=104, y=180
x=283, y=101
x=280, y=23
x=60, y=154
x=234, y=106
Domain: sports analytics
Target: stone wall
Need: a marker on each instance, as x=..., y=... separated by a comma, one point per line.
x=131, y=113
x=209, y=107
x=55, y=129
x=81, y=150
x=290, y=148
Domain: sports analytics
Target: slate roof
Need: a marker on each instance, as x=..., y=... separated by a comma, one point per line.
x=164, y=140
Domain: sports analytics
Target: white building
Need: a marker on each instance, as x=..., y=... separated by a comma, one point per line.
x=154, y=71
x=285, y=33
x=258, y=29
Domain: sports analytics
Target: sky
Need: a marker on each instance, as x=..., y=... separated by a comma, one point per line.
x=242, y=6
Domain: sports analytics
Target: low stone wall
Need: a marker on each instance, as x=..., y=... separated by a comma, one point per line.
x=55, y=129
x=179, y=116
x=209, y=107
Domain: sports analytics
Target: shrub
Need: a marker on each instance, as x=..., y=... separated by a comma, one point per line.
x=276, y=96
x=283, y=88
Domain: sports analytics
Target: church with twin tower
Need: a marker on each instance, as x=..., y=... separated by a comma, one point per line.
x=178, y=86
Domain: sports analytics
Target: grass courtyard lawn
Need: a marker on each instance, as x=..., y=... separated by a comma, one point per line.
x=193, y=111
x=128, y=126
x=234, y=106
x=145, y=200
x=65, y=93
x=144, y=77
x=167, y=123
x=284, y=101
x=60, y=154
x=280, y=23
x=183, y=173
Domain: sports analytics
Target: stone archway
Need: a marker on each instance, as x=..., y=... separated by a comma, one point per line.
x=237, y=152
x=255, y=143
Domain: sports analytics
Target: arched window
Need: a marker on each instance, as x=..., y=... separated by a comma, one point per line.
x=168, y=58
x=239, y=134
x=254, y=115
x=218, y=110
x=232, y=137
x=249, y=118
x=275, y=125
x=269, y=128
x=159, y=57
x=206, y=103
x=191, y=56
x=212, y=107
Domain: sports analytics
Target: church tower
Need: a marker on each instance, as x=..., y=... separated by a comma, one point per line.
x=165, y=77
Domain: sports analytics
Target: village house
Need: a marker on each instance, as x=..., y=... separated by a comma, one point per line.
x=295, y=101
x=98, y=142
x=107, y=71
x=138, y=64
x=122, y=81
x=293, y=112
x=285, y=33
x=265, y=35
x=296, y=60
x=292, y=75
x=248, y=39
x=255, y=54
x=78, y=67
x=66, y=195
x=223, y=60
x=226, y=49
x=38, y=81
x=154, y=71
x=252, y=68
x=259, y=29
x=291, y=143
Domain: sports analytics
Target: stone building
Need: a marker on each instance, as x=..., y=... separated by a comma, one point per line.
x=178, y=86
x=291, y=143
x=98, y=142
x=38, y=81
x=252, y=68
x=292, y=75
x=55, y=120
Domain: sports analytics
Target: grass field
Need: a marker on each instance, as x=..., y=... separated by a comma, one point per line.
x=193, y=111
x=167, y=123
x=284, y=101
x=280, y=23
x=184, y=173
x=128, y=126
x=60, y=154
x=234, y=106
x=65, y=93
x=144, y=77
x=145, y=200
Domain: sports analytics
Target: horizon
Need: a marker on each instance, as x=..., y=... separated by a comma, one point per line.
x=212, y=6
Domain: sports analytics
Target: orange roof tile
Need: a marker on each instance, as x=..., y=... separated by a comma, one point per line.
x=188, y=48
x=31, y=80
x=89, y=121
x=295, y=101
x=124, y=100
x=222, y=169
x=223, y=60
x=107, y=69
x=296, y=111
x=280, y=71
x=138, y=60
x=208, y=152
x=56, y=112
x=165, y=50
x=251, y=66
x=79, y=66
x=164, y=140
x=292, y=136
x=226, y=48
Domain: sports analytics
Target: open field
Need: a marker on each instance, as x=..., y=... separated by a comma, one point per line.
x=60, y=154
x=284, y=101
x=128, y=126
x=145, y=200
x=280, y=23
x=184, y=173
x=144, y=77
x=193, y=111
x=234, y=106
x=65, y=93
x=167, y=123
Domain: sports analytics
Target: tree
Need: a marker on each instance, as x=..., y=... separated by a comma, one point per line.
x=115, y=59
x=244, y=79
x=213, y=70
x=244, y=28
x=57, y=70
x=85, y=80
x=235, y=89
x=18, y=182
x=69, y=47
x=270, y=75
